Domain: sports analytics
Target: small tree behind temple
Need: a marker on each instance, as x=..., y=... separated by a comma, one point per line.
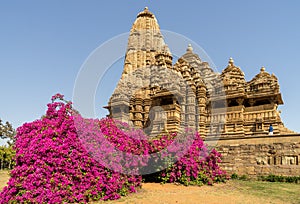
x=7, y=132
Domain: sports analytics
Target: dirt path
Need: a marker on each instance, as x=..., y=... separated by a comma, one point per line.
x=3, y=179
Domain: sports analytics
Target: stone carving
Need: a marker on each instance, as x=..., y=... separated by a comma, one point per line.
x=290, y=160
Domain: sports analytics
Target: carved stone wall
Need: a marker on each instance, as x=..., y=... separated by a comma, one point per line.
x=262, y=155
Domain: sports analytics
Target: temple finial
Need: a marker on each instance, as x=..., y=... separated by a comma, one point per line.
x=190, y=48
x=262, y=69
x=231, y=61
x=146, y=8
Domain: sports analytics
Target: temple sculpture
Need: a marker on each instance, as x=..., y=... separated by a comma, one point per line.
x=159, y=96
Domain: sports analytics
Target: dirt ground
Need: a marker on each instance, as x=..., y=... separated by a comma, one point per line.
x=229, y=193
x=3, y=179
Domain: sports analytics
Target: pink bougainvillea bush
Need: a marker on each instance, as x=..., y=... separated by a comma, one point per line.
x=52, y=166
x=197, y=167
x=64, y=157
x=187, y=160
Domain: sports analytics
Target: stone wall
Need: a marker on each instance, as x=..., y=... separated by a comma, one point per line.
x=261, y=155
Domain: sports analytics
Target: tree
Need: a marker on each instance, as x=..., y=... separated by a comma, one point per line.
x=6, y=157
x=7, y=132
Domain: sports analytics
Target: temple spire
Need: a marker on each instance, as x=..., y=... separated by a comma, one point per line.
x=144, y=43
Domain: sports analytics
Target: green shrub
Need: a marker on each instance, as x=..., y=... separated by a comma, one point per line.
x=237, y=177
x=243, y=178
x=277, y=178
x=234, y=176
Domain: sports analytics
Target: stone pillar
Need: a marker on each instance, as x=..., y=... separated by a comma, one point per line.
x=190, y=109
x=201, y=97
x=138, y=113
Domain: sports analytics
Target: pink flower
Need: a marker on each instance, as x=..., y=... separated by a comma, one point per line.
x=57, y=96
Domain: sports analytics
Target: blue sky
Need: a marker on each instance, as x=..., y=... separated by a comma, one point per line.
x=44, y=44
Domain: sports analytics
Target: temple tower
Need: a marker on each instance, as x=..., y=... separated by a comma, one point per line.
x=144, y=43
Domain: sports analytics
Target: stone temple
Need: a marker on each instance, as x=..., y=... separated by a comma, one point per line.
x=251, y=107
x=159, y=96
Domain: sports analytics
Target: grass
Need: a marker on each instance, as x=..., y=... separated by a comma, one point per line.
x=234, y=191
x=285, y=192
